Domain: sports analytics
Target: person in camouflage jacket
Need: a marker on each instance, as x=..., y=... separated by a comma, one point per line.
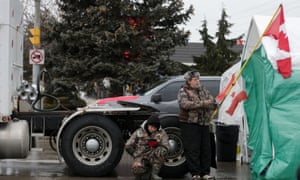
x=149, y=146
x=196, y=104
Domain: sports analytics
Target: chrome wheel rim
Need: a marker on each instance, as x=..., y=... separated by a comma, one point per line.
x=92, y=145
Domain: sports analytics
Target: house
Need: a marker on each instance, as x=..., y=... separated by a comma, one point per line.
x=184, y=54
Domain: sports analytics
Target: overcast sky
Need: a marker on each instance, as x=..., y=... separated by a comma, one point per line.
x=239, y=13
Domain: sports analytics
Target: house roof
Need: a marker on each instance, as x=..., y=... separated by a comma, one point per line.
x=184, y=54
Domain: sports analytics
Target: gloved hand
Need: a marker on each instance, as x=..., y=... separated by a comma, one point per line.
x=152, y=142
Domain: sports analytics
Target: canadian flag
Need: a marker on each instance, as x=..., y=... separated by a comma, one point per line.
x=231, y=110
x=226, y=90
x=236, y=99
x=277, y=34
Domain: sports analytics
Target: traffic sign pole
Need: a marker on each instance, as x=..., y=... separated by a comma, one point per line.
x=37, y=24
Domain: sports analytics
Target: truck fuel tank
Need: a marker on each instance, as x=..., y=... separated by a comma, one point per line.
x=14, y=139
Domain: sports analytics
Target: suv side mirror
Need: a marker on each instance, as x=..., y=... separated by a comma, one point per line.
x=156, y=98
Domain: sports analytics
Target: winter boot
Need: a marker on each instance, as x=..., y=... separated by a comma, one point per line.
x=155, y=172
x=137, y=177
x=145, y=176
x=207, y=177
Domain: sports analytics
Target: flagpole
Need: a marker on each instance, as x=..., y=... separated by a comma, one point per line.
x=245, y=64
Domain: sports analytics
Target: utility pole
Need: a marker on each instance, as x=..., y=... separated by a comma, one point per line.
x=37, y=24
x=36, y=44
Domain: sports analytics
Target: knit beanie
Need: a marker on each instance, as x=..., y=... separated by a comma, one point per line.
x=154, y=121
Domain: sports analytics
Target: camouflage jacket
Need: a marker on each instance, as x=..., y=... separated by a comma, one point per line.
x=195, y=105
x=137, y=145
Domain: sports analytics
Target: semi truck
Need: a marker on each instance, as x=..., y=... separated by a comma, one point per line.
x=90, y=140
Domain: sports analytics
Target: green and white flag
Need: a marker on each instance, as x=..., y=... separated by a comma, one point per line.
x=272, y=83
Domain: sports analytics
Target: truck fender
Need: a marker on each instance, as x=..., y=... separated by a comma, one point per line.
x=86, y=110
x=65, y=122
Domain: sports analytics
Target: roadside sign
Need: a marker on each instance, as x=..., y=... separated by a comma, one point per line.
x=36, y=56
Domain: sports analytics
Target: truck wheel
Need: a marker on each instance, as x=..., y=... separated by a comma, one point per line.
x=92, y=145
x=175, y=165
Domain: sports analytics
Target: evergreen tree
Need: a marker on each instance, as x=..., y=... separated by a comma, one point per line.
x=66, y=92
x=205, y=62
x=123, y=39
x=218, y=56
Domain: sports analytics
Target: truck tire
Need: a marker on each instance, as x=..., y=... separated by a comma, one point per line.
x=92, y=145
x=175, y=165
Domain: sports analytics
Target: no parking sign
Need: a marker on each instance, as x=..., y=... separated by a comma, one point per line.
x=36, y=56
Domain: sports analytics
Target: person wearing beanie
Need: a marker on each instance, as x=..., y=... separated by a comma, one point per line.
x=196, y=104
x=148, y=145
x=153, y=121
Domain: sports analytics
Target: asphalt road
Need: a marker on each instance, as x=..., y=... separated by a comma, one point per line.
x=43, y=164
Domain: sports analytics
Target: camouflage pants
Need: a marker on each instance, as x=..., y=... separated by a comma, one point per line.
x=152, y=157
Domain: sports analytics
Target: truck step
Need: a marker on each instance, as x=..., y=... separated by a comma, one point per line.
x=37, y=134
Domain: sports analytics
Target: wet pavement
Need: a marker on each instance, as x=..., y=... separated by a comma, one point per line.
x=42, y=164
